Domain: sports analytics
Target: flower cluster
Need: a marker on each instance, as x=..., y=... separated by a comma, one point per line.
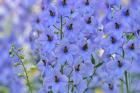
x=84, y=44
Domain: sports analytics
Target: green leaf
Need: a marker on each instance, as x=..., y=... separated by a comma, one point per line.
x=98, y=65
x=56, y=33
x=92, y=59
x=12, y=46
x=21, y=75
x=16, y=64
x=130, y=36
x=19, y=49
x=3, y=89
x=50, y=91
x=10, y=51
x=123, y=53
x=21, y=56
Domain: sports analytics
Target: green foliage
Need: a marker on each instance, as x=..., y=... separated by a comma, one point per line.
x=98, y=65
x=18, y=52
x=21, y=75
x=126, y=81
x=130, y=36
x=92, y=60
x=21, y=56
x=11, y=53
x=20, y=49
x=4, y=89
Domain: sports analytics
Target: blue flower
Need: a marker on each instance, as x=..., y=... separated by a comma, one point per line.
x=85, y=49
x=65, y=50
x=55, y=81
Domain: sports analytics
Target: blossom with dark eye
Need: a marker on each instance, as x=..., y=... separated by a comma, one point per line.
x=64, y=7
x=47, y=40
x=49, y=15
x=50, y=38
x=132, y=49
x=52, y=13
x=110, y=86
x=56, y=80
x=67, y=51
x=126, y=13
x=88, y=20
x=132, y=46
x=120, y=64
x=117, y=25
x=64, y=2
x=37, y=20
x=71, y=29
x=86, y=6
x=70, y=26
x=113, y=40
x=85, y=49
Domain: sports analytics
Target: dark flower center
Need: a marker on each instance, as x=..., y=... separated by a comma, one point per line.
x=49, y=38
x=132, y=47
x=113, y=40
x=117, y=25
x=65, y=49
x=63, y=2
x=77, y=68
x=56, y=79
x=89, y=20
x=87, y=2
x=44, y=62
x=43, y=8
x=38, y=20
x=71, y=11
x=70, y=27
x=120, y=64
x=138, y=31
x=127, y=13
x=52, y=13
x=110, y=86
x=85, y=47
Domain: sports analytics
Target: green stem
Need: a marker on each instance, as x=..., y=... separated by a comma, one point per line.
x=56, y=28
x=121, y=87
x=27, y=78
x=91, y=77
x=126, y=81
x=61, y=27
x=69, y=81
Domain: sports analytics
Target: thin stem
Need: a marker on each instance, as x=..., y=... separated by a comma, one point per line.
x=56, y=28
x=69, y=81
x=121, y=87
x=126, y=81
x=61, y=27
x=91, y=77
x=27, y=78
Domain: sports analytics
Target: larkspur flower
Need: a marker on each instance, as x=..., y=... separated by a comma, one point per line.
x=56, y=81
x=67, y=51
x=65, y=7
x=85, y=49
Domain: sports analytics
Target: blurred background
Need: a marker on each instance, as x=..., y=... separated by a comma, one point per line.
x=15, y=26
